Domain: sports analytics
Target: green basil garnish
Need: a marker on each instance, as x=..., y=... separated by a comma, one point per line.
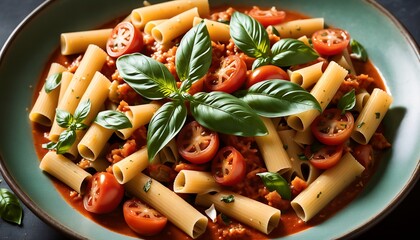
x=113, y=120
x=252, y=38
x=228, y=199
x=275, y=182
x=358, y=51
x=347, y=101
x=10, y=208
x=52, y=82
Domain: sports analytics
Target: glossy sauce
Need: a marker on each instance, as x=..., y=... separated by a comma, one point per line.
x=289, y=222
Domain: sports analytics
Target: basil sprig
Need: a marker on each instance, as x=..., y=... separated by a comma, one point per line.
x=275, y=182
x=358, y=51
x=52, y=82
x=347, y=101
x=108, y=119
x=10, y=208
x=251, y=38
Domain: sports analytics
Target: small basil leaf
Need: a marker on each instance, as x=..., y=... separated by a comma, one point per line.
x=289, y=51
x=227, y=199
x=65, y=141
x=347, y=101
x=193, y=57
x=222, y=112
x=358, y=51
x=64, y=119
x=10, y=208
x=52, y=82
x=82, y=111
x=279, y=98
x=275, y=182
x=78, y=126
x=50, y=145
x=249, y=35
x=111, y=119
x=164, y=125
x=146, y=76
x=261, y=62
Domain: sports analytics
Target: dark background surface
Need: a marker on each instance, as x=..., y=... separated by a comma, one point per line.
x=395, y=225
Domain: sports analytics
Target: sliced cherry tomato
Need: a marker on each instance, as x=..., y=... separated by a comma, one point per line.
x=104, y=193
x=124, y=39
x=324, y=156
x=267, y=17
x=229, y=166
x=143, y=219
x=266, y=72
x=196, y=143
x=332, y=127
x=330, y=41
x=230, y=76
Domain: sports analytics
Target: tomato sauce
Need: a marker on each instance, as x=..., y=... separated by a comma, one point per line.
x=289, y=223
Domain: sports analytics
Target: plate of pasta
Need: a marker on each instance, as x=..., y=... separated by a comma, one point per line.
x=210, y=120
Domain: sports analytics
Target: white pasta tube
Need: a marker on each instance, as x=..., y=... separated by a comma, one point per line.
x=65, y=170
x=43, y=111
x=361, y=100
x=371, y=116
x=324, y=90
x=65, y=82
x=175, y=26
x=248, y=211
x=300, y=27
x=94, y=141
x=139, y=115
x=272, y=149
x=131, y=165
x=151, y=24
x=78, y=42
x=326, y=187
x=304, y=137
x=345, y=61
x=306, y=77
x=219, y=32
x=168, y=203
x=191, y=181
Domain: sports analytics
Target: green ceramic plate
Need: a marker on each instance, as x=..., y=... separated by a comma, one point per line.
x=390, y=48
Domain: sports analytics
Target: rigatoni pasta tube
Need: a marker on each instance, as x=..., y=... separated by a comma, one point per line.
x=78, y=42
x=65, y=82
x=326, y=187
x=65, y=170
x=361, y=100
x=371, y=115
x=127, y=168
x=272, y=149
x=168, y=203
x=43, y=111
x=219, y=32
x=92, y=61
x=191, y=181
x=94, y=141
x=306, y=77
x=151, y=24
x=248, y=211
x=300, y=27
x=140, y=16
x=324, y=90
x=139, y=115
x=175, y=26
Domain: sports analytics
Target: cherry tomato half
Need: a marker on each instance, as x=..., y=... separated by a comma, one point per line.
x=229, y=166
x=124, y=39
x=104, y=193
x=267, y=17
x=324, y=156
x=143, y=219
x=332, y=127
x=266, y=72
x=330, y=41
x=196, y=143
x=230, y=76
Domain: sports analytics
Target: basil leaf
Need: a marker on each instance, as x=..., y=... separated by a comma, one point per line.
x=82, y=111
x=111, y=119
x=275, y=182
x=347, y=101
x=10, y=208
x=358, y=51
x=279, y=98
x=249, y=35
x=227, y=199
x=52, y=82
x=146, y=76
x=193, y=56
x=65, y=141
x=289, y=51
x=164, y=125
x=64, y=119
x=222, y=112
x=261, y=62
